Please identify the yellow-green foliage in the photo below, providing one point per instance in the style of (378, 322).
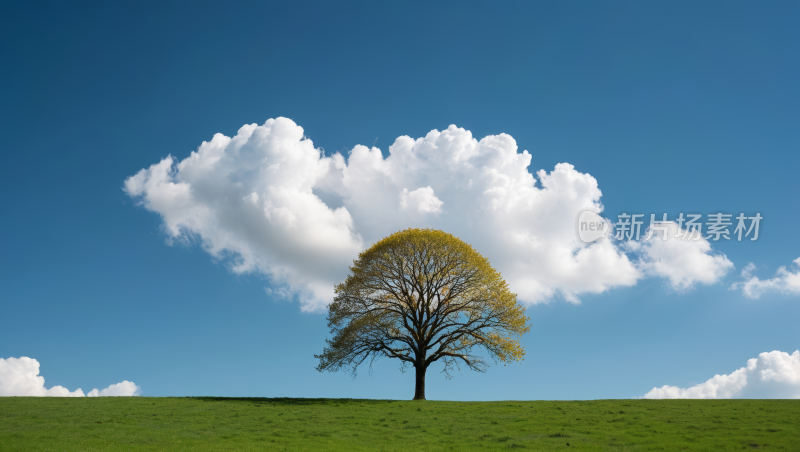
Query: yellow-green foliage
(421, 296)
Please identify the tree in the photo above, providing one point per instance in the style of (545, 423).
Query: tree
(422, 296)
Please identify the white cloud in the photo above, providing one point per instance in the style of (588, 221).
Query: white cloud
(748, 270)
(20, 377)
(773, 375)
(420, 201)
(683, 258)
(785, 281)
(268, 201)
(124, 388)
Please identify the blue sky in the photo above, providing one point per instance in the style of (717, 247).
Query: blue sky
(671, 107)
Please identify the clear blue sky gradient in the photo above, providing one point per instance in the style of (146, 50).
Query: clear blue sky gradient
(671, 106)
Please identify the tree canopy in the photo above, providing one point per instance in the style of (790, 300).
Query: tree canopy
(422, 296)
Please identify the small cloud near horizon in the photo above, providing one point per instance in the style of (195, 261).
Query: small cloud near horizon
(773, 375)
(19, 377)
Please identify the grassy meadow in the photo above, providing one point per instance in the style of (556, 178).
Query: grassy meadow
(210, 423)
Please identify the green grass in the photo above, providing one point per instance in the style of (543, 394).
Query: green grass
(208, 423)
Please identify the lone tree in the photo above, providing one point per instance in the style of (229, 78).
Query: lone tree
(421, 296)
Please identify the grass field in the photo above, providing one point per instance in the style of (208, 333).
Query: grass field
(207, 423)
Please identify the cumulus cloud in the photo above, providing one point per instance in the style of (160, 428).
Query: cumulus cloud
(682, 257)
(785, 281)
(268, 201)
(420, 201)
(773, 375)
(20, 377)
(124, 388)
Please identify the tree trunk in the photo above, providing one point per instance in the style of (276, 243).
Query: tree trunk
(419, 388)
